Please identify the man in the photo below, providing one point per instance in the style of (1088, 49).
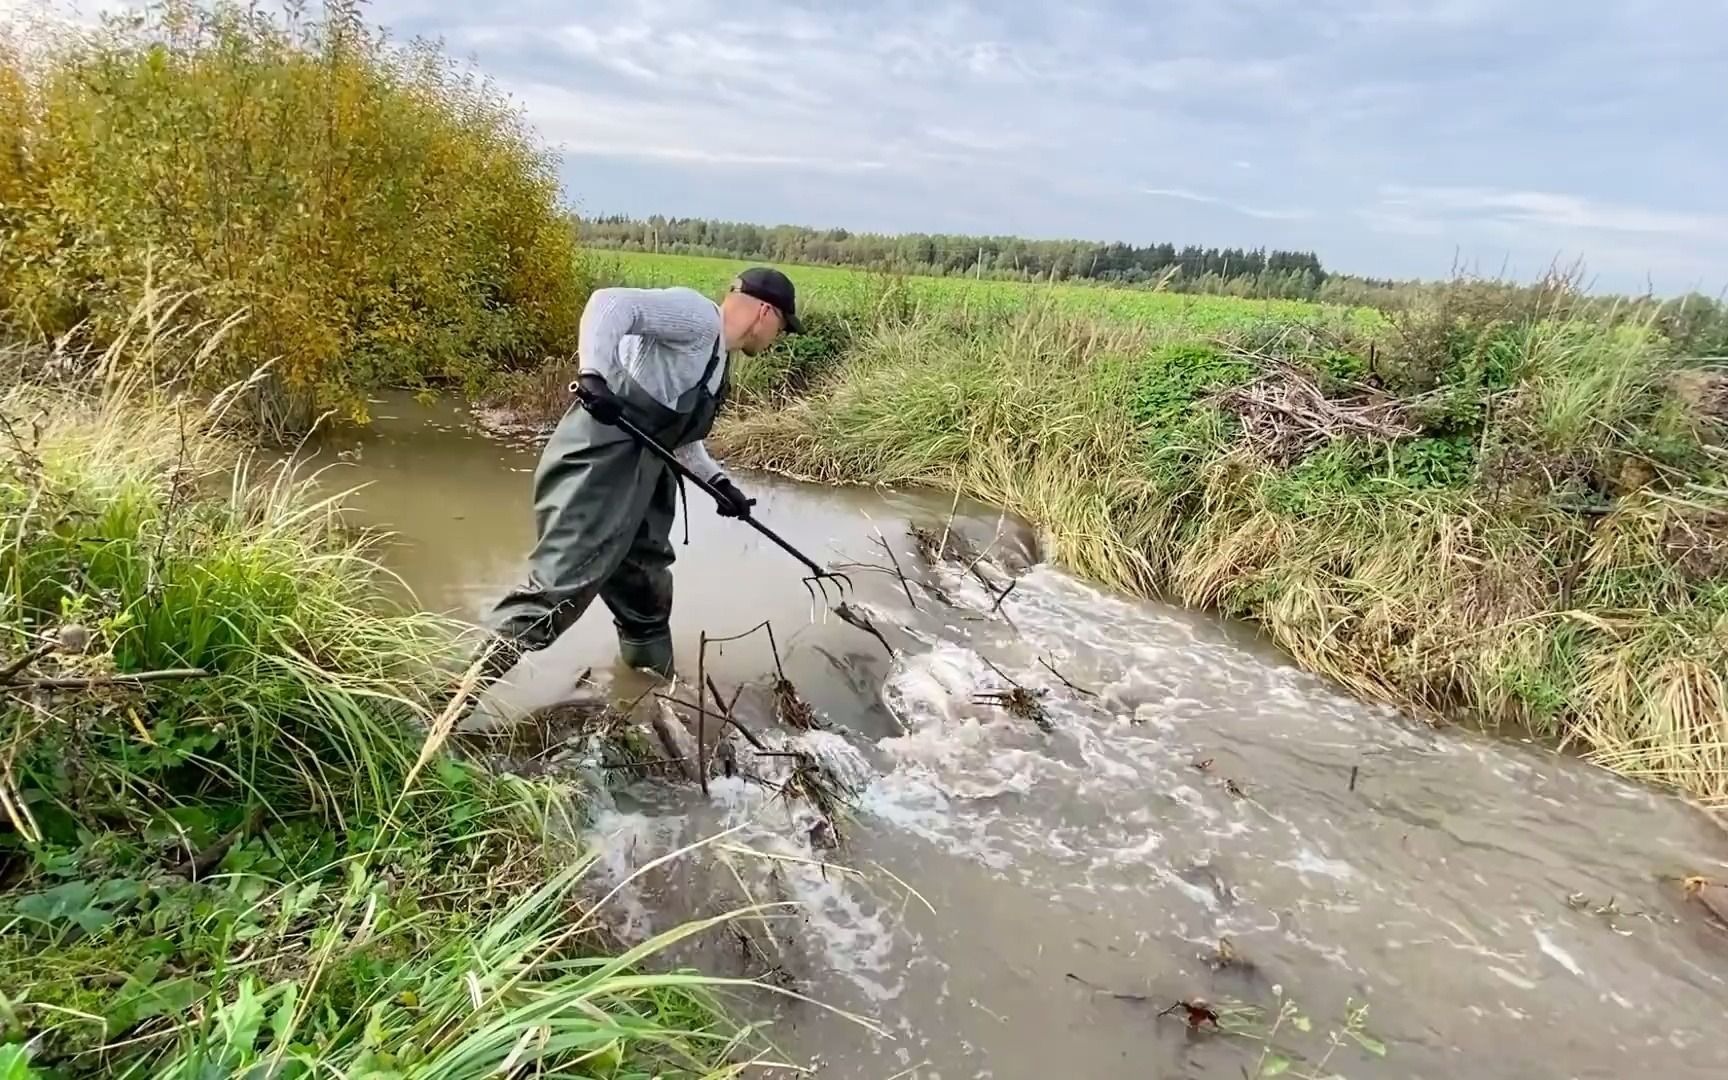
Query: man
(603, 505)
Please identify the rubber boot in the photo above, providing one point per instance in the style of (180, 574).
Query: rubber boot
(650, 654)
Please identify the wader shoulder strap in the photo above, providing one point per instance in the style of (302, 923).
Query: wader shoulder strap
(713, 362)
(701, 388)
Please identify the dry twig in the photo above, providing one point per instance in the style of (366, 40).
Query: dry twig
(93, 682)
(1051, 668)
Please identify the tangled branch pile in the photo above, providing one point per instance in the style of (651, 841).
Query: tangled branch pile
(1285, 416)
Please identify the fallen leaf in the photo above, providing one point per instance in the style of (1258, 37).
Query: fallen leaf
(1196, 1013)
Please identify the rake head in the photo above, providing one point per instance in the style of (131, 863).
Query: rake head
(819, 582)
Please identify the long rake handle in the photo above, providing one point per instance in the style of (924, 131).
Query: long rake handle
(652, 445)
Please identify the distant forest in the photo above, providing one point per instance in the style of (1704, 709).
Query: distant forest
(1695, 323)
(1255, 272)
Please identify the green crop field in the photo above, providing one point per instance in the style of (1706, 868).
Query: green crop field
(828, 287)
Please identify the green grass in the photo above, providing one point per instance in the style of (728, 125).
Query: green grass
(835, 289)
(275, 867)
(839, 305)
(1528, 531)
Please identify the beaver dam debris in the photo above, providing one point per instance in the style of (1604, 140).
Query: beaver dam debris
(1224, 955)
(853, 616)
(950, 546)
(791, 709)
(1285, 415)
(1018, 701)
(573, 737)
(930, 546)
(696, 734)
(1065, 681)
(585, 733)
(823, 793)
(1197, 1013)
(676, 740)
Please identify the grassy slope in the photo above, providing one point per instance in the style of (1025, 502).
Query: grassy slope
(1530, 525)
(276, 863)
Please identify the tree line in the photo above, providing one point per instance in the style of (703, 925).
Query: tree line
(1696, 323)
(1238, 271)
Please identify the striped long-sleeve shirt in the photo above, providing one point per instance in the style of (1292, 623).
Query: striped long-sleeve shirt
(660, 339)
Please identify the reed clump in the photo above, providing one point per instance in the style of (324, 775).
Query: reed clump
(232, 838)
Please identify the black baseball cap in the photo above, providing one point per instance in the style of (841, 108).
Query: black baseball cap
(771, 287)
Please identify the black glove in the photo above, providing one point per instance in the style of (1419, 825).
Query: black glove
(732, 502)
(602, 404)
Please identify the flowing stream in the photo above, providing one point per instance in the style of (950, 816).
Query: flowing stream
(1014, 902)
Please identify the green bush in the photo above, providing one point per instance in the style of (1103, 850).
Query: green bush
(378, 215)
(1166, 386)
(794, 361)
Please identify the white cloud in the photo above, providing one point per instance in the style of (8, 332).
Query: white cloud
(712, 135)
(981, 141)
(1186, 195)
(1180, 193)
(1546, 210)
(1422, 14)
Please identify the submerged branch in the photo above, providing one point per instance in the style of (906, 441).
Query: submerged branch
(888, 548)
(851, 616)
(1081, 690)
(730, 717)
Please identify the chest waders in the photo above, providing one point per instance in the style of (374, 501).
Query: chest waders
(603, 513)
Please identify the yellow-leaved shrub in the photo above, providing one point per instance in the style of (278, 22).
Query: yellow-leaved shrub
(378, 214)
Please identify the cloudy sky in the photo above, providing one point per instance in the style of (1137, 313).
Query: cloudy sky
(1393, 137)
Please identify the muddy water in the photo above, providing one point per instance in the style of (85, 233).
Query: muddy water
(1014, 903)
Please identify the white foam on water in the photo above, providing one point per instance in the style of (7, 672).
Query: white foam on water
(838, 758)
(1309, 861)
(1109, 806)
(1558, 955)
(625, 842)
(1204, 897)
